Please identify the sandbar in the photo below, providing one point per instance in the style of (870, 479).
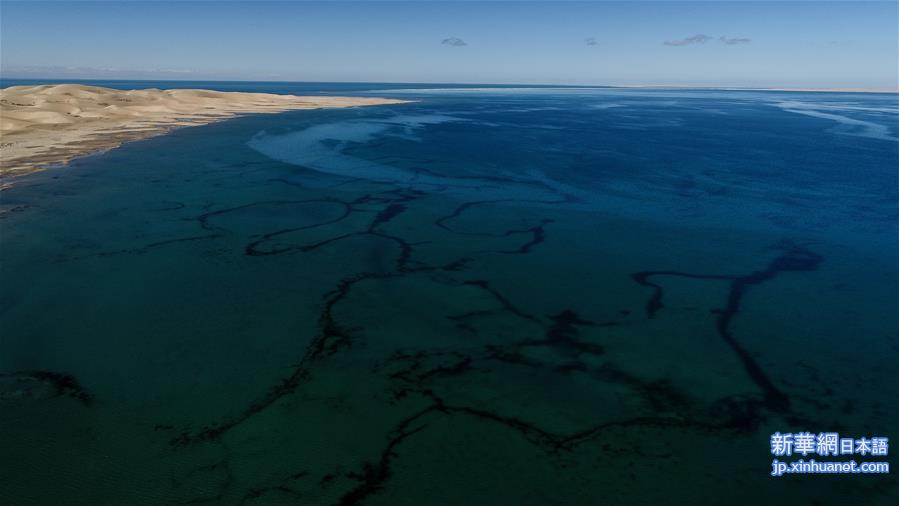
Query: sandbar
(49, 125)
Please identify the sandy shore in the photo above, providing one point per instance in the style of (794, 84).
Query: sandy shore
(51, 124)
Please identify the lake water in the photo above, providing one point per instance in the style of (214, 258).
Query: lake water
(490, 295)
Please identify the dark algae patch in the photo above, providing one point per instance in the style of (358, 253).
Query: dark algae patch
(29, 384)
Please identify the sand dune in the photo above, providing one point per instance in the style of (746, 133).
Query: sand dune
(51, 124)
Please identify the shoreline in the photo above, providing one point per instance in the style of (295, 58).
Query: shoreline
(739, 88)
(50, 125)
(38, 81)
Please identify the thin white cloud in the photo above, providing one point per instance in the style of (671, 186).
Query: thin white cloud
(689, 41)
(454, 41)
(730, 41)
(700, 38)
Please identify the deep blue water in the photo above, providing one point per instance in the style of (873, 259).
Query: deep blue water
(489, 295)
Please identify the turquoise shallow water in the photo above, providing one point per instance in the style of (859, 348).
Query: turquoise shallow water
(487, 296)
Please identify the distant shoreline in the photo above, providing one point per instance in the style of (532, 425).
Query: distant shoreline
(47, 125)
(35, 81)
(736, 88)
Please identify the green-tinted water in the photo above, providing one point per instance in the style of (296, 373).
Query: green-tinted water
(488, 314)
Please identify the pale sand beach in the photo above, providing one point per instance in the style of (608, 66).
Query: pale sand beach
(52, 124)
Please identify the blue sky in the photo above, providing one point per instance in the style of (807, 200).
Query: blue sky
(729, 43)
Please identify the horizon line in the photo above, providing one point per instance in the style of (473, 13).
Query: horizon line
(846, 89)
